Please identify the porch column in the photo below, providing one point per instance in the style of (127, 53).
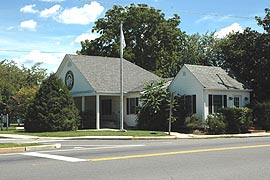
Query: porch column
(97, 113)
(83, 103)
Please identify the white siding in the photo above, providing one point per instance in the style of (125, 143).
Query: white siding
(130, 119)
(185, 83)
(81, 87)
(244, 98)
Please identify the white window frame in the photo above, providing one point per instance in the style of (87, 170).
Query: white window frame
(212, 103)
(239, 101)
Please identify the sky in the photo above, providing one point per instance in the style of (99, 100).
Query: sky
(44, 31)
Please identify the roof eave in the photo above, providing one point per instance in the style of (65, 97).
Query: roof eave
(223, 89)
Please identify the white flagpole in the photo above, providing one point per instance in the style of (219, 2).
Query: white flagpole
(122, 44)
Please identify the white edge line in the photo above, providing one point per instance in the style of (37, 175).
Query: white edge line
(80, 149)
(55, 157)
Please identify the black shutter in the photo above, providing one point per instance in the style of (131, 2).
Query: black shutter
(225, 100)
(210, 100)
(128, 106)
(193, 104)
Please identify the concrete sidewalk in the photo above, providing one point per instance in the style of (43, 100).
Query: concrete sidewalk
(174, 135)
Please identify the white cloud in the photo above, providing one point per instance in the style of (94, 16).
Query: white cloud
(30, 25)
(29, 9)
(50, 12)
(205, 18)
(235, 27)
(213, 18)
(36, 56)
(10, 28)
(84, 15)
(51, 0)
(84, 36)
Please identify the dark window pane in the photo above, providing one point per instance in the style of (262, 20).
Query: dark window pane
(217, 103)
(194, 104)
(106, 107)
(210, 100)
(225, 101)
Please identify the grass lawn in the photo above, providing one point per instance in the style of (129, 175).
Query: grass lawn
(11, 145)
(133, 133)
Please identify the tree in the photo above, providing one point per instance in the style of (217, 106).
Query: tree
(154, 109)
(153, 42)
(21, 100)
(265, 22)
(248, 54)
(13, 78)
(53, 108)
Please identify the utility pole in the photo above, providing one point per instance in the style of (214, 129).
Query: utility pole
(170, 115)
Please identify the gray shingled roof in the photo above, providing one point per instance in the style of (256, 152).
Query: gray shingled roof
(103, 73)
(216, 78)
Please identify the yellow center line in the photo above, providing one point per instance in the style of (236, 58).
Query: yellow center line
(178, 152)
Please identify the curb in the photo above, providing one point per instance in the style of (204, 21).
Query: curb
(154, 138)
(171, 137)
(30, 148)
(229, 136)
(117, 138)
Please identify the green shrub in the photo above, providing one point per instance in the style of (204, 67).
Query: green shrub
(262, 114)
(53, 108)
(180, 113)
(153, 111)
(215, 124)
(239, 120)
(193, 122)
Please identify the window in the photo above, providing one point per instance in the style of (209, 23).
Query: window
(132, 103)
(106, 107)
(216, 102)
(236, 101)
(184, 73)
(190, 104)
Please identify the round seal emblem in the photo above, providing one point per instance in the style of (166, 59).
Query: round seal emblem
(69, 80)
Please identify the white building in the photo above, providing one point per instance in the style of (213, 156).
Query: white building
(94, 82)
(210, 89)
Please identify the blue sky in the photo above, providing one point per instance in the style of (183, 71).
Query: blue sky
(45, 30)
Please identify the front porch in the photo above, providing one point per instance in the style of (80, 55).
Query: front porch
(99, 111)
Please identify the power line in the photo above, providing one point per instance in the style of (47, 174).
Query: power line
(27, 51)
(177, 11)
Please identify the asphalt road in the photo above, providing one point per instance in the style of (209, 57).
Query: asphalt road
(203, 159)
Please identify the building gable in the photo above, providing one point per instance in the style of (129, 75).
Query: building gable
(80, 86)
(103, 73)
(216, 78)
(185, 83)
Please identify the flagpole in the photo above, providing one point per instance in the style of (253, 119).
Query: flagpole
(121, 78)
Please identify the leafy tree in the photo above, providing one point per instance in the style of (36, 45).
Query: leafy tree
(33, 76)
(248, 54)
(265, 22)
(153, 42)
(53, 108)
(21, 100)
(14, 78)
(154, 108)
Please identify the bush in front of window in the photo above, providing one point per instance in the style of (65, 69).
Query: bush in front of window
(193, 123)
(262, 114)
(215, 124)
(153, 111)
(239, 120)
